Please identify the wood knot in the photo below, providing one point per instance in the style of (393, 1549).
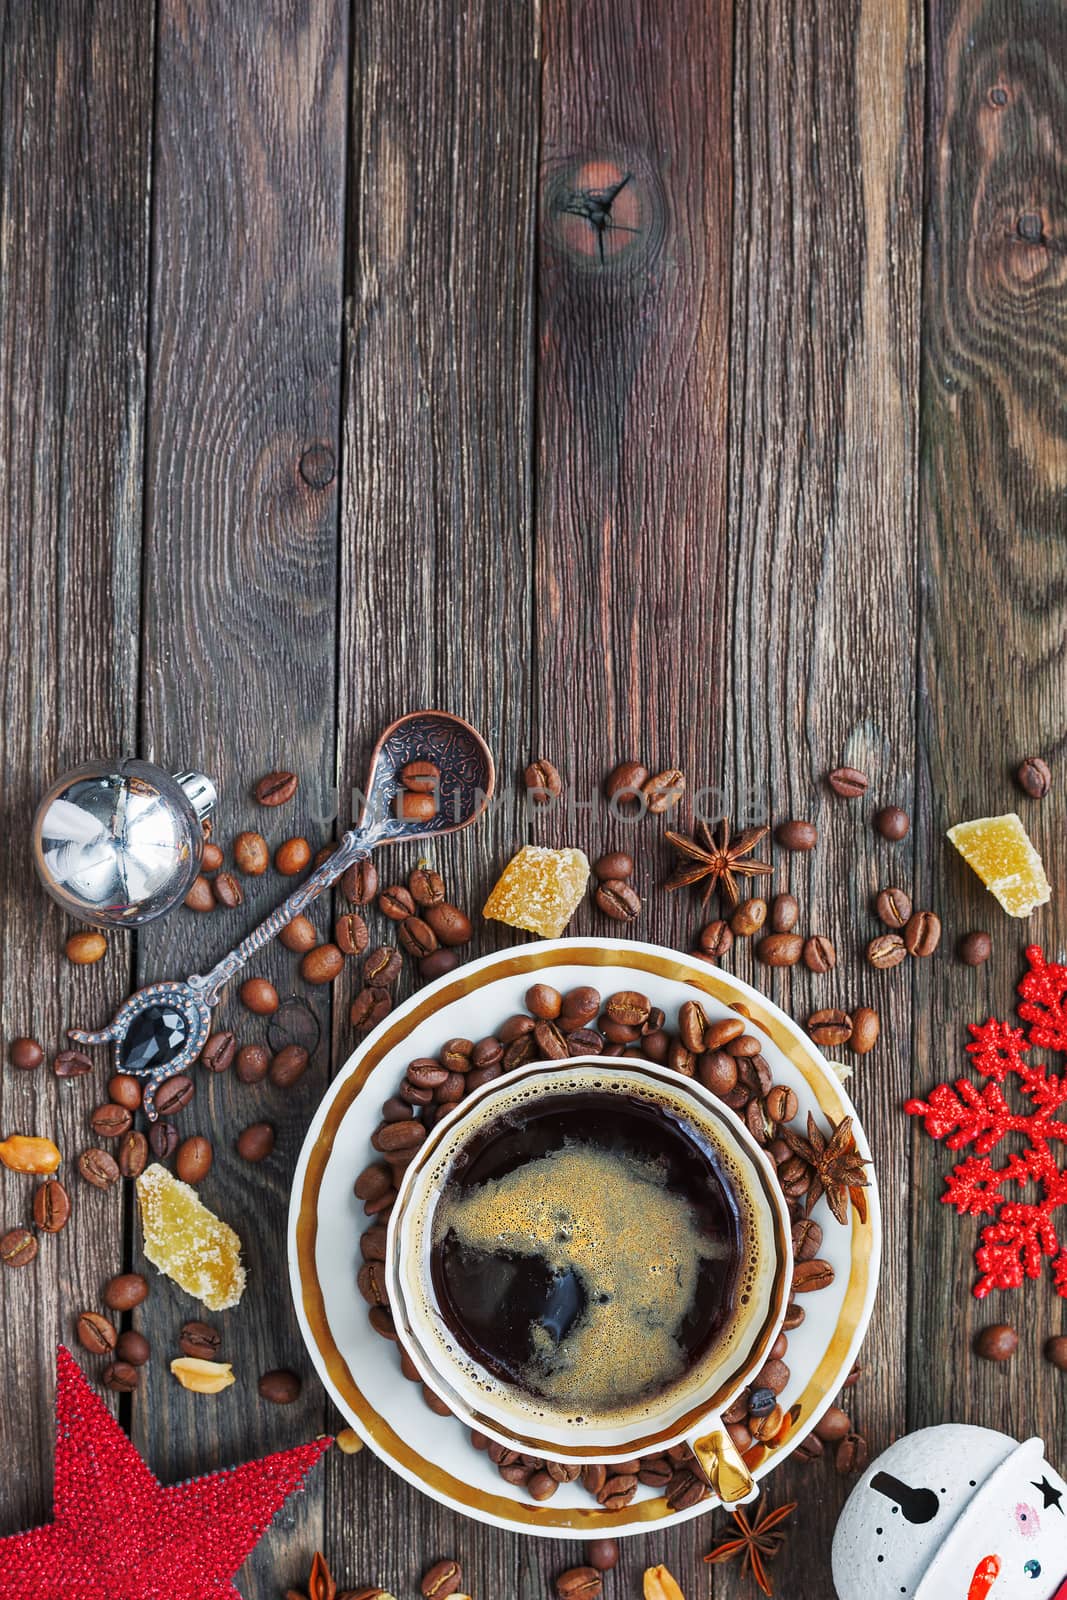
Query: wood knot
(1030, 227)
(603, 212)
(317, 466)
(998, 95)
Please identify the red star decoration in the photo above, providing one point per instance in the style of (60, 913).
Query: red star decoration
(119, 1535)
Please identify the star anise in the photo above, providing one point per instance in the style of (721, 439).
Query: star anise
(754, 1542)
(836, 1166)
(721, 864)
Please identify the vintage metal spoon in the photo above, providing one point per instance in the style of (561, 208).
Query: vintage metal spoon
(161, 1029)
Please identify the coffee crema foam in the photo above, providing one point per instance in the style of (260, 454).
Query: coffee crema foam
(635, 1246)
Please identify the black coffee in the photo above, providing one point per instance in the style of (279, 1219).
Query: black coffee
(587, 1249)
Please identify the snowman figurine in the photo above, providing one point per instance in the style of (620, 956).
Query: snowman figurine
(955, 1513)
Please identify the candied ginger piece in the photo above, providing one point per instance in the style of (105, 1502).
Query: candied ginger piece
(999, 850)
(188, 1242)
(539, 890)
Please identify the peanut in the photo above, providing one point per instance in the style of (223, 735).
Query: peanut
(660, 1585)
(349, 1442)
(22, 1153)
(202, 1377)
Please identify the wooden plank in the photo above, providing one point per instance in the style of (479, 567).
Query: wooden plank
(239, 623)
(76, 92)
(993, 481)
(436, 532)
(821, 602)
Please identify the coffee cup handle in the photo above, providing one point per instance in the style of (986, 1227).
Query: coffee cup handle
(720, 1461)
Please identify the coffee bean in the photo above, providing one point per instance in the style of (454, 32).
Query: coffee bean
(451, 925)
(785, 913)
(98, 1168)
(211, 858)
(194, 1158)
(120, 1376)
(227, 891)
(51, 1206)
(292, 856)
(398, 1136)
(773, 1375)
(692, 1025)
(426, 1072)
(443, 1578)
(457, 1054)
(26, 1054)
(819, 954)
(359, 883)
(974, 949)
(382, 966)
(427, 887)
(887, 950)
(543, 782)
(794, 1316)
(200, 896)
(174, 1094)
(663, 791)
(96, 1333)
(410, 807)
(584, 1042)
(997, 1343)
(281, 1387)
(251, 854)
(436, 965)
(848, 782)
(421, 777)
(200, 1340)
(922, 934)
(781, 1103)
(767, 1426)
(830, 1028)
(761, 1402)
(132, 1154)
(624, 783)
(381, 1320)
(299, 935)
(543, 1002)
(866, 1026)
(852, 1455)
(746, 1044)
(717, 1071)
(288, 1066)
(71, 1064)
(110, 1121)
(416, 937)
(163, 1139)
(796, 834)
(629, 1007)
(834, 1424)
(126, 1290)
(807, 1239)
(892, 823)
(810, 1448)
(686, 1489)
(1034, 778)
(124, 1090)
(276, 788)
(579, 1583)
(253, 1062)
(551, 1043)
(1056, 1351)
(259, 996)
(780, 949)
(218, 1052)
(396, 903)
(603, 1554)
(322, 965)
(618, 900)
(617, 864)
(371, 1004)
(133, 1348)
(83, 949)
(893, 907)
(716, 938)
(812, 1275)
(749, 917)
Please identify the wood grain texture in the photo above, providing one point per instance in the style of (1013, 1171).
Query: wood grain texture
(76, 98)
(821, 599)
(993, 621)
(240, 601)
(436, 522)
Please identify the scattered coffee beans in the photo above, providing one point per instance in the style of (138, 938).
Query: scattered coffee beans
(194, 1158)
(848, 782)
(276, 788)
(351, 934)
(299, 935)
(974, 949)
(163, 1139)
(780, 949)
(893, 907)
(251, 854)
(797, 835)
(110, 1121)
(617, 864)
(281, 1387)
(997, 1343)
(211, 858)
(255, 1142)
(26, 1054)
(866, 1026)
(450, 925)
(663, 791)
(436, 965)
(120, 1376)
(749, 917)
(133, 1348)
(218, 1052)
(1034, 778)
(618, 900)
(200, 1340)
(543, 782)
(174, 1094)
(624, 783)
(887, 950)
(125, 1291)
(259, 996)
(85, 948)
(1056, 1351)
(292, 857)
(819, 954)
(288, 1066)
(322, 965)
(359, 883)
(125, 1091)
(253, 1062)
(785, 913)
(98, 1168)
(603, 1554)
(922, 934)
(200, 896)
(830, 1029)
(96, 1333)
(227, 891)
(892, 823)
(443, 1578)
(132, 1154)
(579, 1583)
(426, 887)
(51, 1206)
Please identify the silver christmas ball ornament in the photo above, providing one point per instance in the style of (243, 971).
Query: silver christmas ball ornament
(118, 843)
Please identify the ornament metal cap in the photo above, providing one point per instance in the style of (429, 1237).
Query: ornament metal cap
(200, 791)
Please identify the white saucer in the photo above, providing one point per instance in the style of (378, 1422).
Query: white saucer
(361, 1370)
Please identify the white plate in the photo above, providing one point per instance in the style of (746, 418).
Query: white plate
(361, 1370)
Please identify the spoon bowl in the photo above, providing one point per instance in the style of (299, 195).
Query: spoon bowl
(462, 791)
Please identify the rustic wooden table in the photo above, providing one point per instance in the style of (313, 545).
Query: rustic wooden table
(659, 378)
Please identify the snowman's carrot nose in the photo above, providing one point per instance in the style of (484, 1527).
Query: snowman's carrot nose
(985, 1576)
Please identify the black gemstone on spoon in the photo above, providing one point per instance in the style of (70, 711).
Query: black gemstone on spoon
(918, 1505)
(155, 1036)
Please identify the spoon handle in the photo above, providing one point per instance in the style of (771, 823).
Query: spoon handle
(354, 846)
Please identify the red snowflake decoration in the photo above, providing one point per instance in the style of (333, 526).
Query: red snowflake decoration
(1023, 1234)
